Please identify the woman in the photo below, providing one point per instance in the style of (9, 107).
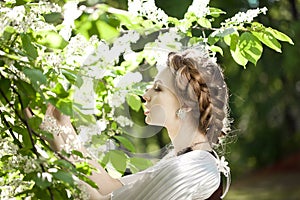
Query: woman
(189, 98)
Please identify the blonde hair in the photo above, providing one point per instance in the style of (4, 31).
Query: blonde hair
(200, 84)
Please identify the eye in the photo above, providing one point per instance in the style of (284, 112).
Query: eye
(157, 88)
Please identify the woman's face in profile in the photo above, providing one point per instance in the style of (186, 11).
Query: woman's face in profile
(161, 100)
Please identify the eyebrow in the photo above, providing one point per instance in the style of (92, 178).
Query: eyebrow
(158, 81)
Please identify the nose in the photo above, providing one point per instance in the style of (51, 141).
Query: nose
(142, 98)
(145, 98)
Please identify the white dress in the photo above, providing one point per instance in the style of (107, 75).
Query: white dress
(193, 175)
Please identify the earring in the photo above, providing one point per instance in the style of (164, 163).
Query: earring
(180, 113)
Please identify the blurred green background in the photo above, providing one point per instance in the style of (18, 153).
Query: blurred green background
(264, 102)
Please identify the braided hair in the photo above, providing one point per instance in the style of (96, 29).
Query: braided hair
(200, 84)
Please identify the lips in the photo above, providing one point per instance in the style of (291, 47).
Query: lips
(146, 112)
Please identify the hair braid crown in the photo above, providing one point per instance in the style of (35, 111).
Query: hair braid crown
(200, 84)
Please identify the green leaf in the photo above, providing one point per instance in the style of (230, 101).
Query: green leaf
(216, 49)
(42, 183)
(126, 143)
(41, 194)
(235, 50)
(77, 153)
(84, 167)
(64, 164)
(268, 39)
(133, 101)
(89, 181)
(173, 20)
(36, 76)
(118, 159)
(25, 136)
(35, 122)
(50, 39)
(64, 176)
(29, 48)
(26, 91)
(106, 31)
(227, 39)
(82, 119)
(73, 77)
(250, 47)
(204, 22)
(280, 36)
(53, 17)
(8, 32)
(215, 12)
(138, 164)
(65, 106)
(25, 88)
(5, 88)
(60, 91)
(98, 140)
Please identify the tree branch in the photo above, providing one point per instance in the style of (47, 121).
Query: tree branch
(294, 9)
(9, 127)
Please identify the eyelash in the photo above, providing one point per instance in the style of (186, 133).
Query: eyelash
(157, 88)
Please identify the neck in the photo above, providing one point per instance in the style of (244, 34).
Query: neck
(186, 135)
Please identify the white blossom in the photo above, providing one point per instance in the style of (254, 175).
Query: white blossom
(223, 167)
(96, 71)
(84, 194)
(128, 79)
(22, 19)
(118, 98)
(7, 147)
(148, 9)
(10, 1)
(86, 132)
(122, 44)
(123, 121)
(199, 8)
(45, 176)
(77, 49)
(245, 17)
(85, 96)
(72, 143)
(70, 12)
(163, 45)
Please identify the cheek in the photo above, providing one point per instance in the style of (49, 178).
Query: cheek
(157, 115)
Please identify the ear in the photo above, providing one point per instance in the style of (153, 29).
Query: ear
(186, 108)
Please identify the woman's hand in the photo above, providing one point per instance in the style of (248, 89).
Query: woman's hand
(60, 126)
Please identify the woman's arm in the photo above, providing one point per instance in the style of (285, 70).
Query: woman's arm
(62, 127)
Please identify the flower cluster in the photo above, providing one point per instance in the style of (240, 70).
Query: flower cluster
(165, 43)
(148, 9)
(124, 121)
(7, 147)
(13, 184)
(199, 8)
(117, 98)
(50, 124)
(127, 79)
(70, 12)
(223, 167)
(87, 131)
(245, 17)
(23, 18)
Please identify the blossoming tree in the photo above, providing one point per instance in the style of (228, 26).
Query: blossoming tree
(93, 63)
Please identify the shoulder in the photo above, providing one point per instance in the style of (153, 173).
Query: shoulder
(193, 174)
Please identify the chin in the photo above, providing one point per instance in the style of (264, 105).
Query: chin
(154, 122)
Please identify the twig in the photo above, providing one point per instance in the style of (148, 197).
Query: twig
(9, 127)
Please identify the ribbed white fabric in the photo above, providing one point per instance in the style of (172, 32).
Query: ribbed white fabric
(193, 175)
